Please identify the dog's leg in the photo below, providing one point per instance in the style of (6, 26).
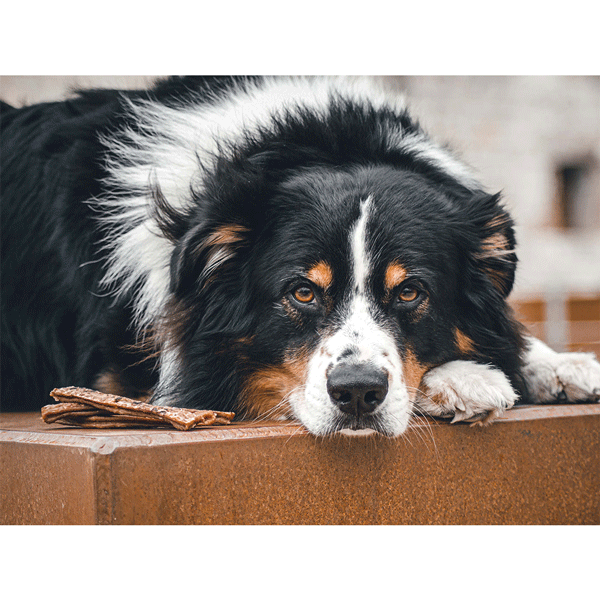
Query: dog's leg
(560, 377)
(465, 390)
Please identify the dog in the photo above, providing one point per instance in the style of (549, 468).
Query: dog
(286, 248)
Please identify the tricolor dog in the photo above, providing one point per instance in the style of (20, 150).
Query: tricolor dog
(287, 248)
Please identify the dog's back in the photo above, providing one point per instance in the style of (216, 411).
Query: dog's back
(49, 152)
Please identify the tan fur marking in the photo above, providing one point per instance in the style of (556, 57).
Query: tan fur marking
(420, 311)
(436, 398)
(291, 311)
(226, 234)
(219, 244)
(266, 390)
(413, 371)
(498, 222)
(395, 274)
(498, 279)
(495, 246)
(465, 344)
(321, 274)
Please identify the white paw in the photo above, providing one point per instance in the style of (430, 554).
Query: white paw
(561, 377)
(466, 391)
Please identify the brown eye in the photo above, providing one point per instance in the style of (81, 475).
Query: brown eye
(408, 293)
(304, 294)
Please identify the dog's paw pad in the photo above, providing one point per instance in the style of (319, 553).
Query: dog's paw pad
(466, 391)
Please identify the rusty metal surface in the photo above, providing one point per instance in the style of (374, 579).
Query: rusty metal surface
(537, 465)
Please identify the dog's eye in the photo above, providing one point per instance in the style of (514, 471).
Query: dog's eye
(304, 294)
(408, 293)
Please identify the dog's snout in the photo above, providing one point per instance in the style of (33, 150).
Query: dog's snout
(357, 389)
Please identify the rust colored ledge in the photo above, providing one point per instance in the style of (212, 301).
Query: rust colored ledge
(536, 465)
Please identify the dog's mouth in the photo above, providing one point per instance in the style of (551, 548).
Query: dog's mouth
(349, 432)
(362, 427)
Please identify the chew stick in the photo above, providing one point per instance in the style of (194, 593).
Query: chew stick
(90, 408)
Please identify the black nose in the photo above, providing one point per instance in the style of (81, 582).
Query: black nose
(357, 389)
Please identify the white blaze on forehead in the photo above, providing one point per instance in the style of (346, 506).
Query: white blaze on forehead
(358, 244)
(359, 326)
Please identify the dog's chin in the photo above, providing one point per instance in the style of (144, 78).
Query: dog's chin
(336, 425)
(360, 428)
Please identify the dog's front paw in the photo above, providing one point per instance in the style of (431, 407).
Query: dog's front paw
(466, 391)
(561, 377)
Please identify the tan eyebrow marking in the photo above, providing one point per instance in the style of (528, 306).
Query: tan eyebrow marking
(321, 274)
(395, 274)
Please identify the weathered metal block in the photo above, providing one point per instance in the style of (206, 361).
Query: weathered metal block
(537, 465)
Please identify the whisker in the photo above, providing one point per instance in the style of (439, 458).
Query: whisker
(424, 418)
(295, 431)
(420, 425)
(419, 391)
(283, 403)
(420, 431)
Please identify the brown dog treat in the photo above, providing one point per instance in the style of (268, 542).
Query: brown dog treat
(110, 418)
(180, 418)
(122, 418)
(99, 416)
(107, 421)
(67, 407)
(108, 424)
(220, 420)
(52, 412)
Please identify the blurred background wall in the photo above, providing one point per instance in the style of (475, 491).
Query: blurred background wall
(535, 138)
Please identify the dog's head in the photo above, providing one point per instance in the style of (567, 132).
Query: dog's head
(328, 293)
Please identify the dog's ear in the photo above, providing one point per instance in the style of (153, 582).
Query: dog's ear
(206, 254)
(492, 242)
(200, 247)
